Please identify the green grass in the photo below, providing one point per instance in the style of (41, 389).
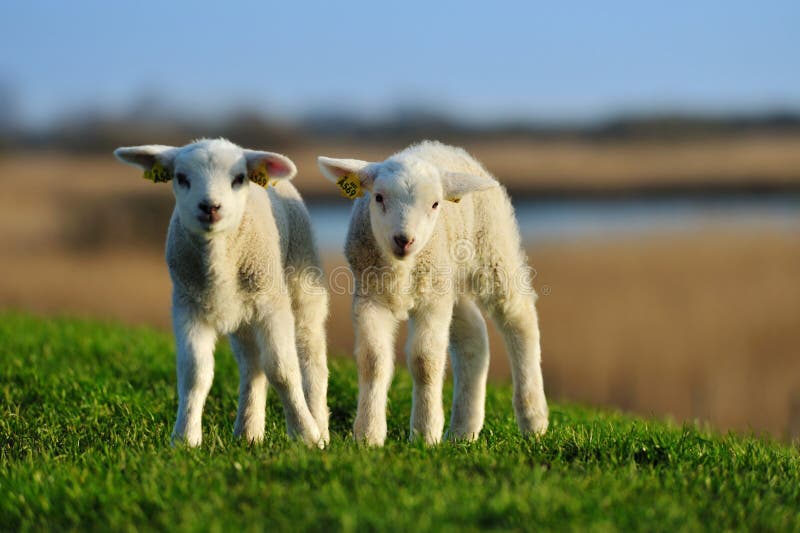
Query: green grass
(86, 416)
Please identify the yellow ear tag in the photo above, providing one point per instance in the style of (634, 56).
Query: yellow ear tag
(350, 186)
(259, 175)
(157, 173)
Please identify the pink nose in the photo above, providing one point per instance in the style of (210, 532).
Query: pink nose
(208, 208)
(211, 211)
(403, 242)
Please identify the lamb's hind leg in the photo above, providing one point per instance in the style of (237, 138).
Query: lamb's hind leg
(252, 386)
(469, 354)
(310, 311)
(427, 355)
(517, 319)
(283, 371)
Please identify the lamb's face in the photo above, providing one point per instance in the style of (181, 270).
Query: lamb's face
(404, 206)
(211, 187)
(406, 196)
(211, 178)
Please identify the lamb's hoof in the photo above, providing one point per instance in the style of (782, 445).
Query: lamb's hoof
(185, 441)
(370, 441)
(250, 437)
(534, 426)
(315, 440)
(325, 438)
(462, 435)
(368, 435)
(318, 443)
(322, 418)
(310, 436)
(430, 439)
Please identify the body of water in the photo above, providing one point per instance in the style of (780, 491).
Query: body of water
(558, 220)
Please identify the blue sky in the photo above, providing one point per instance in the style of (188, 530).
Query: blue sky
(555, 61)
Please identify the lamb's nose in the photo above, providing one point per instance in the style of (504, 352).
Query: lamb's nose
(208, 208)
(403, 241)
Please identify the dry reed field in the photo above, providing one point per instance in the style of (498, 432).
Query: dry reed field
(702, 325)
(522, 165)
(525, 166)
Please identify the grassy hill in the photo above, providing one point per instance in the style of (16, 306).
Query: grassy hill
(86, 412)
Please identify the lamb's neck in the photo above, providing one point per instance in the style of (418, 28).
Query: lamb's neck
(218, 250)
(198, 262)
(204, 269)
(399, 267)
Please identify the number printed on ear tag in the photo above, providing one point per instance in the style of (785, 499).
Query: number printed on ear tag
(260, 176)
(157, 173)
(350, 186)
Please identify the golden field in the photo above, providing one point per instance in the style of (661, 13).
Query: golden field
(702, 325)
(522, 165)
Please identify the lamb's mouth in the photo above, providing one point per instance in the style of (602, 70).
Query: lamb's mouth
(400, 254)
(208, 220)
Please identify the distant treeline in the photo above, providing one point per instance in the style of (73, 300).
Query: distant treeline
(91, 132)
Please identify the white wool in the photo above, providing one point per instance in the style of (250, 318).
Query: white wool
(433, 238)
(243, 263)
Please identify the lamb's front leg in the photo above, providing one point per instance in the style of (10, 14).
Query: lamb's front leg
(427, 354)
(195, 364)
(375, 330)
(252, 386)
(283, 370)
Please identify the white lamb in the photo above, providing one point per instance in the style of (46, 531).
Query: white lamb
(433, 235)
(243, 263)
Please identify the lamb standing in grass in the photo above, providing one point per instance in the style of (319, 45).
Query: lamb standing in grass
(243, 263)
(435, 234)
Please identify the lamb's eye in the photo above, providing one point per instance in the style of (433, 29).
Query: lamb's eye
(379, 198)
(435, 205)
(238, 180)
(183, 181)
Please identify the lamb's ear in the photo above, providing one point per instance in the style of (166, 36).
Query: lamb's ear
(263, 167)
(350, 175)
(155, 159)
(457, 185)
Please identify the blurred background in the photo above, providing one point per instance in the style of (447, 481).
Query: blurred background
(652, 151)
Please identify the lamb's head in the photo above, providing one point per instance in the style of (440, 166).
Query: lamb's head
(406, 195)
(210, 178)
